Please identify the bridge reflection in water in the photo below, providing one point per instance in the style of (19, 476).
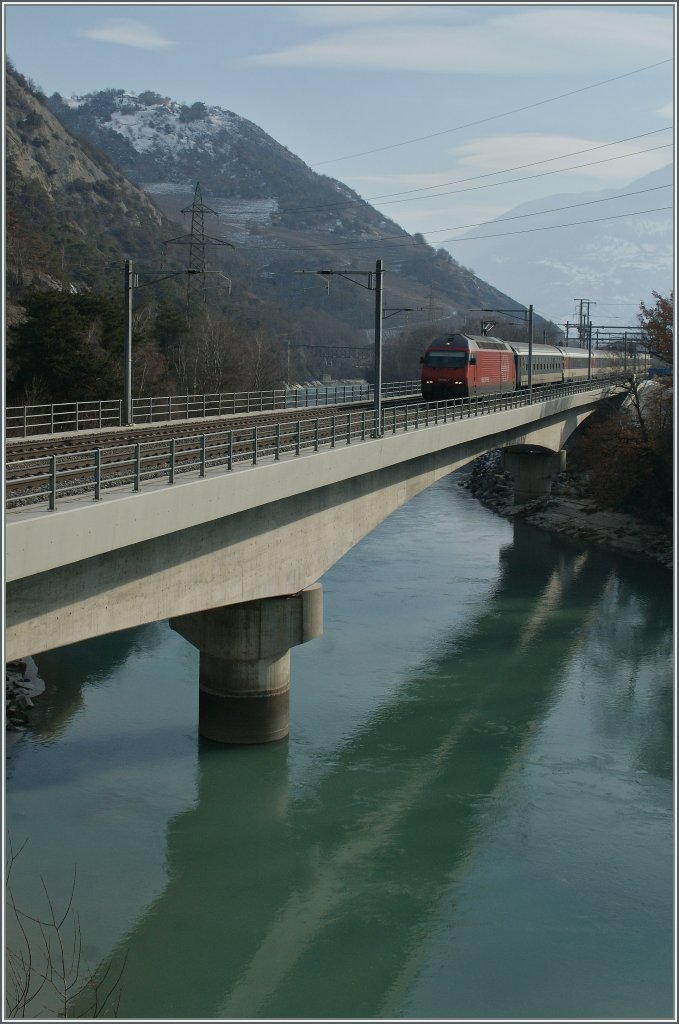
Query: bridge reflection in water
(321, 901)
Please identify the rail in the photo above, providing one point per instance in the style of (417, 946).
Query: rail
(36, 420)
(45, 479)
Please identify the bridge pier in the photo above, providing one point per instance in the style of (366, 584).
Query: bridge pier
(244, 683)
(532, 472)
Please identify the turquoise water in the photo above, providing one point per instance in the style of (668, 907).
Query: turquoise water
(472, 816)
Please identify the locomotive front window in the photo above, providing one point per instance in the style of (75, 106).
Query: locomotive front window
(445, 360)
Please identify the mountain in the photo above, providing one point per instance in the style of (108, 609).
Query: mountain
(73, 217)
(615, 263)
(281, 216)
(95, 181)
(69, 211)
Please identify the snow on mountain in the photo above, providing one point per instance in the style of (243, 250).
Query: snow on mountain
(166, 147)
(160, 127)
(157, 139)
(161, 133)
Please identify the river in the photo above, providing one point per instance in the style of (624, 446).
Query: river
(472, 817)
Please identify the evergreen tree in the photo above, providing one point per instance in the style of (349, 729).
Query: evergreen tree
(68, 348)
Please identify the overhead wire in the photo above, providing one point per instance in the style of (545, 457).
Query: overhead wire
(435, 194)
(408, 239)
(551, 227)
(554, 209)
(491, 184)
(313, 248)
(495, 117)
(477, 177)
(520, 167)
(542, 174)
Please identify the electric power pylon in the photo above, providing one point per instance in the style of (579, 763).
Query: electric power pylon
(196, 241)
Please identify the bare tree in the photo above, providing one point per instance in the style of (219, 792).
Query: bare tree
(207, 359)
(45, 964)
(657, 325)
(262, 363)
(629, 456)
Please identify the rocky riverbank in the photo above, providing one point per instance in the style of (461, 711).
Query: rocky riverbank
(22, 684)
(568, 510)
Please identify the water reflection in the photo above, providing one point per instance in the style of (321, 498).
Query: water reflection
(312, 903)
(633, 629)
(67, 670)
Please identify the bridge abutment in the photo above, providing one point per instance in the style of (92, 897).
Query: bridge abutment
(244, 682)
(533, 472)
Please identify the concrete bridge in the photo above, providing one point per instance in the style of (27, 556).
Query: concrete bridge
(233, 559)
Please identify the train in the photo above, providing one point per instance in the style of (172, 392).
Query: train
(468, 365)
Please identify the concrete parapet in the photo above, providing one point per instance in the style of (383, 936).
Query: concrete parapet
(533, 472)
(244, 649)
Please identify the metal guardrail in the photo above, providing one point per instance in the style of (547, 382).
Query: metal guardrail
(81, 474)
(36, 420)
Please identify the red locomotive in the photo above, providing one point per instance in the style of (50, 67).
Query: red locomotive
(462, 365)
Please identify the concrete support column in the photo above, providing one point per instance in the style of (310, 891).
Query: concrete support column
(245, 663)
(533, 472)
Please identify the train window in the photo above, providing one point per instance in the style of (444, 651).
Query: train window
(445, 360)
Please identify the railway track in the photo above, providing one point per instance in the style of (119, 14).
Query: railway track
(19, 449)
(39, 473)
(85, 465)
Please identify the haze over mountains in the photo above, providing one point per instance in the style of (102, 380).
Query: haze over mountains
(615, 263)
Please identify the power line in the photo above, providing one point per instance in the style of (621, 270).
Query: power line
(316, 248)
(408, 239)
(550, 227)
(494, 117)
(520, 167)
(504, 170)
(490, 184)
(502, 234)
(542, 174)
(554, 209)
(518, 216)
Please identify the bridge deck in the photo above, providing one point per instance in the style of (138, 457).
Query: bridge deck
(269, 526)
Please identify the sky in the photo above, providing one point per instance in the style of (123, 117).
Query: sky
(417, 107)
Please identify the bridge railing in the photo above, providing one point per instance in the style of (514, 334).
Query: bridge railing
(36, 420)
(33, 420)
(84, 474)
